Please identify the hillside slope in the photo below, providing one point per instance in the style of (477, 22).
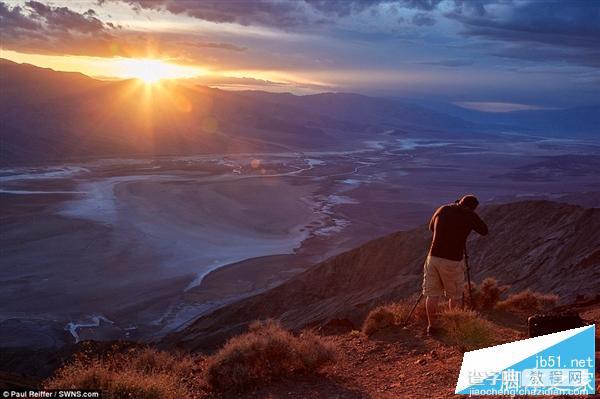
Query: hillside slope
(545, 246)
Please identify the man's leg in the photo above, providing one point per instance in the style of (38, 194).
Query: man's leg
(453, 280)
(431, 306)
(432, 290)
(454, 303)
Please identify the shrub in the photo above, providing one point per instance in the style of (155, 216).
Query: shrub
(392, 314)
(466, 329)
(528, 301)
(136, 373)
(487, 294)
(378, 319)
(266, 353)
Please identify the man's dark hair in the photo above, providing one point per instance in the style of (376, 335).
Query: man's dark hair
(470, 201)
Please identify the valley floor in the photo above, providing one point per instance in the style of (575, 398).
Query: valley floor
(136, 248)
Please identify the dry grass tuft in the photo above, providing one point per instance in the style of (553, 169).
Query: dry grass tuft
(487, 294)
(528, 302)
(379, 318)
(136, 373)
(355, 334)
(466, 329)
(266, 353)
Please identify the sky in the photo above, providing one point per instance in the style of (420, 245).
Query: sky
(516, 54)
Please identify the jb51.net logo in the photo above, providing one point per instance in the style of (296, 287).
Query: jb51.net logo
(562, 363)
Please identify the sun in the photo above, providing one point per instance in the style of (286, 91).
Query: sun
(150, 71)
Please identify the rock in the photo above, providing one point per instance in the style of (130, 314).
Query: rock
(421, 361)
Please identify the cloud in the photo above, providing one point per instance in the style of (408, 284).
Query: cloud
(422, 19)
(472, 7)
(449, 63)
(277, 13)
(342, 8)
(13, 19)
(235, 82)
(424, 5)
(40, 18)
(252, 12)
(562, 23)
(62, 18)
(544, 54)
(37, 27)
(250, 83)
(44, 29)
(215, 45)
(550, 30)
(498, 107)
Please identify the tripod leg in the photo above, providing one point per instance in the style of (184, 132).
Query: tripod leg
(470, 288)
(468, 271)
(405, 322)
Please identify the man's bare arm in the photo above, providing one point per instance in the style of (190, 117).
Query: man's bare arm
(479, 225)
(432, 221)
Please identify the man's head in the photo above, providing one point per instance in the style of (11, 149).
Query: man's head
(470, 201)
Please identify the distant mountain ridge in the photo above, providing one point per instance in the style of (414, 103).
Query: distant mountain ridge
(545, 246)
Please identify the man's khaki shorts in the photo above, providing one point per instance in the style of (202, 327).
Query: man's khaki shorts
(443, 277)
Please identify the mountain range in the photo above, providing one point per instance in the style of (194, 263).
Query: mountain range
(53, 116)
(57, 116)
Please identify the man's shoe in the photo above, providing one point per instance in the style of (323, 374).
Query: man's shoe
(433, 331)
